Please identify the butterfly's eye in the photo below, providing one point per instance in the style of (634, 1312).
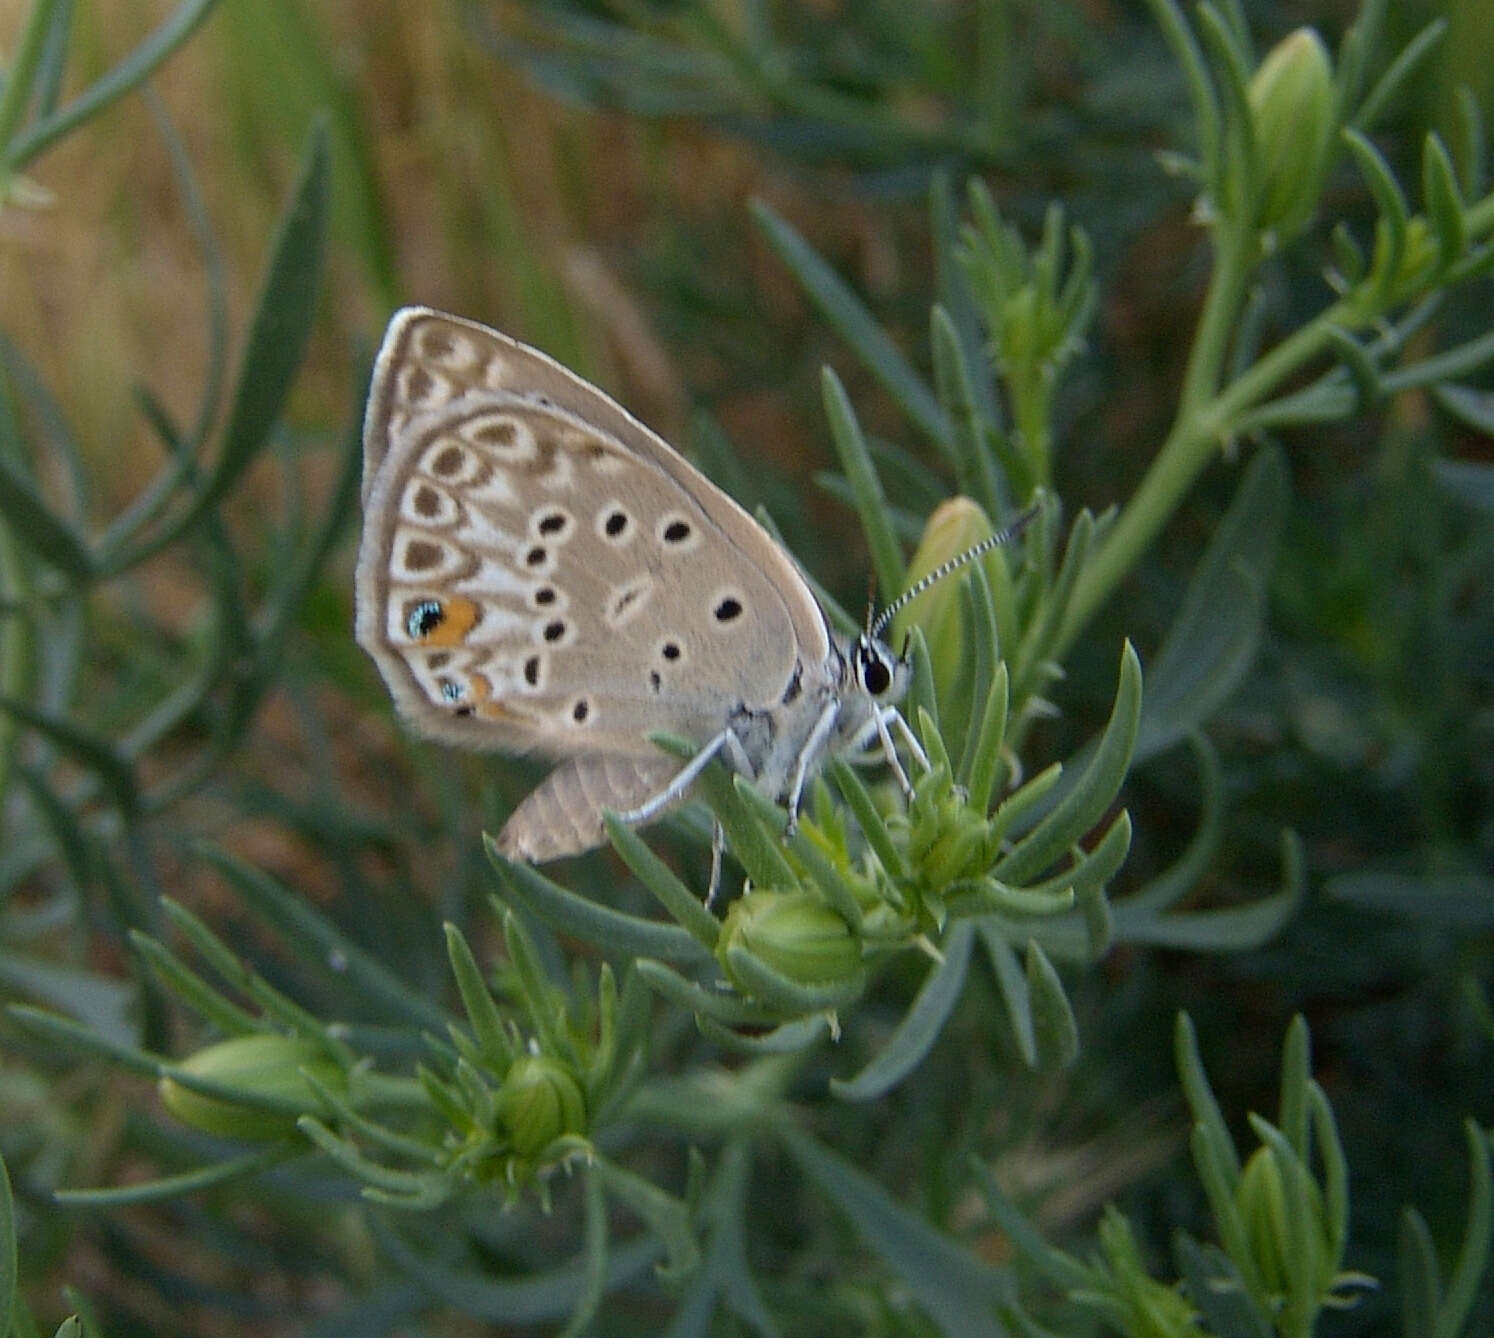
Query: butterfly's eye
(872, 668)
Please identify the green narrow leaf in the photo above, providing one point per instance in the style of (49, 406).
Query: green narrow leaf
(978, 617)
(1212, 641)
(868, 817)
(1054, 1027)
(1296, 1073)
(1059, 1268)
(794, 1037)
(1470, 143)
(1359, 363)
(1473, 408)
(1212, 1159)
(1444, 202)
(360, 973)
(533, 1299)
(1200, 1096)
(594, 1256)
(987, 762)
(1390, 229)
(1189, 55)
(845, 312)
(1215, 1286)
(36, 524)
(1238, 184)
(73, 1036)
(1421, 1287)
(132, 71)
(974, 468)
(921, 702)
(1456, 362)
(729, 1010)
(1335, 1168)
(1397, 73)
(629, 935)
(1168, 888)
(871, 504)
(273, 351)
(192, 989)
(478, 1002)
(957, 1292)
(956, 302)
(1078, 811)
(757, 846)
(1473, 1255)
(667, 1216)
(660, 879)
(9, 1257)
(1039, 639)
(790, 998)
(920, 1026)
(837, 892)
(188, 1182)
(1011, 981)
(98, 754)
(1230, 928)
(16, 90)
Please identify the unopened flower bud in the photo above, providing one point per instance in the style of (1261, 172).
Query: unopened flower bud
(955, 526)
(539, 1102)
(1261, 1198)
(264, 1065)
(794, 933)
(1292, 107)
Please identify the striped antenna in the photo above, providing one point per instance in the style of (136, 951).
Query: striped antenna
(1012, 531)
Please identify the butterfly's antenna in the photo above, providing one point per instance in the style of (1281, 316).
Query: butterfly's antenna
(944, 569)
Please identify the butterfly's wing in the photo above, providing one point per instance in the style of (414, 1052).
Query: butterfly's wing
(541, 572)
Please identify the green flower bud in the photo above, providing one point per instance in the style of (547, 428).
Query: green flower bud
(540, 1101)
(794, 933)
(1261, 1198)
(955, 526)
(265, 1065)
(1292, 108)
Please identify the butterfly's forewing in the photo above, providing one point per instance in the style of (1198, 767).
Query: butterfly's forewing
(539, 571)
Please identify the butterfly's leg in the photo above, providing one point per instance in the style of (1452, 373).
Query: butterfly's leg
(814, 745)
(683, 780)
(894, 715)
(718, 844)
(881, 718)
(736, 754)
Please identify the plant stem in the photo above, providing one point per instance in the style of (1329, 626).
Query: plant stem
(21, 78)
(1206, 418)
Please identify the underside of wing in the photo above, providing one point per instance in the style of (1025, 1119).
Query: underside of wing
(528, 582)
(430, 362)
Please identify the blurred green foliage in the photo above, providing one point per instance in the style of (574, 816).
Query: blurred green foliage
(914, 1081)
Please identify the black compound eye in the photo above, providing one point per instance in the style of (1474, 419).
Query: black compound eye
(873, 670)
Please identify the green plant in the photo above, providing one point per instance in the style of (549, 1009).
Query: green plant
(601, 1134)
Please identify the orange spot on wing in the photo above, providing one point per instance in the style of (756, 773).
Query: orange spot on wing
(461, 615)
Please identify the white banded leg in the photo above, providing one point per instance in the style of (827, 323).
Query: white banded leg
(814, 745)
(684, 778)
(718, 847)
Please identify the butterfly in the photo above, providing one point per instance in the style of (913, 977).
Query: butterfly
(541, 573)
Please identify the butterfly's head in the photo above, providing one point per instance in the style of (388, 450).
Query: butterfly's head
(879, 671)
